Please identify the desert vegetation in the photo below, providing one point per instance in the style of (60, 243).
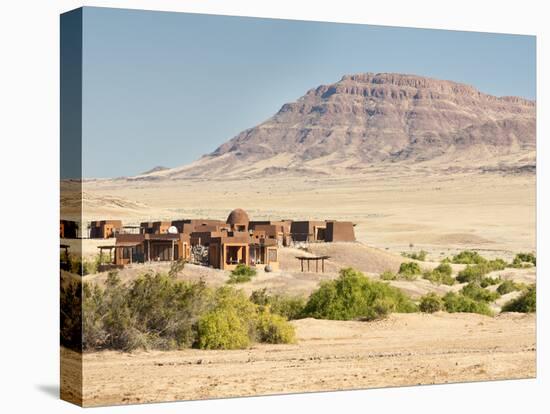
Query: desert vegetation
(407, 271)
(508, 286)
(160, 311)
(525, 303)
(421, 255)
(442, 274)
(157, 311)
(241, 274)
(355, 296)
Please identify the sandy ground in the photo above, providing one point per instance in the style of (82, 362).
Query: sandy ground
(405, 349)
(392, 207)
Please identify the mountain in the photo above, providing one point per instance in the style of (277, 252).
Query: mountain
(369, 119)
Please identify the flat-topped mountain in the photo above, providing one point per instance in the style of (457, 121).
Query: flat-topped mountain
(370, 119)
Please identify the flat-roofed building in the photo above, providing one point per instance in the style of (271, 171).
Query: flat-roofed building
(104, 229)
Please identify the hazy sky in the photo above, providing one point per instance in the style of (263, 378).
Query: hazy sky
(165, 88)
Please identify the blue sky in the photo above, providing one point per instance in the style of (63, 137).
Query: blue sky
(165, 88)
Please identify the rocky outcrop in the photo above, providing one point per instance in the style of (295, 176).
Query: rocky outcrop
(367, 119)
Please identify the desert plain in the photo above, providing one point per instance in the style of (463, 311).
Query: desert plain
(396, 209)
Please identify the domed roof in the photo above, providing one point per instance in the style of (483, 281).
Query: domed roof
(238, 217)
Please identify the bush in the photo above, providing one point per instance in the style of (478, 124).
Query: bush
(409, 270)
(421, 255)
(160, 312)
(388, 275)
(223, 329)
(468, 257)
(440, 275)
(489, 281)
(71, 315)
(274, 329)
(526, 302)
(475, 273)
(524, 260)
(459, 303)
(430, 303)
(290, 307)
(354, 296)
(241, 274)
(508, 286)
(476, 292)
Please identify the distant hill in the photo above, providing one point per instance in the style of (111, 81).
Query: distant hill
(155, 169)
(372, 119)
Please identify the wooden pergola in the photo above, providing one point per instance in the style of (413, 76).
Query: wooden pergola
(316, 259)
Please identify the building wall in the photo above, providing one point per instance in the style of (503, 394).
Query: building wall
(340, 231)
(104, 229)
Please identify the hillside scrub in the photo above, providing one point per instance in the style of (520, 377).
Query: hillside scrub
(409, 270)
(157, 311)
(473, 273)
(290, 307)
(526, 302)
(474, 291)
(524, 260)
(430, 303)
(456, 302)
(388, 275)
(468, 257)
(355, 296)
(442, 274)
(508, 286)
(241, 274)
(421, 255)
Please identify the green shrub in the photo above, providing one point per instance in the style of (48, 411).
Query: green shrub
(421, 255)
(489, 281)
(524, 260)
(235, 322)
(471, 273)
(508, 286)
(430, 303)
(459, 303)
(445, 269)
(354, 296)
(526, 302)
(274, 329)
(409, 270)
(158, 311)
(440, 275)
(168, 309)
(475, 273)
(223, 329)
(290, 307)
(468, 257)
(241, 274)
(474, 291)
(388, 275)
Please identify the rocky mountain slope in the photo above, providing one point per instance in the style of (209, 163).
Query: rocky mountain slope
(369, 119)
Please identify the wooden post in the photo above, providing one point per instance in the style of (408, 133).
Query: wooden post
(308, 265)
(316, 265)
(172, 252)
(148, 250)
(323, 265)
(302, 263)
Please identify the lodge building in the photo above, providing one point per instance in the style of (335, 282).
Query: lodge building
(216, 243)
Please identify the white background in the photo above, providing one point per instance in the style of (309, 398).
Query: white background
(29, 146)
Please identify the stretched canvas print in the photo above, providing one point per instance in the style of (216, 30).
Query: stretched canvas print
(258, 206)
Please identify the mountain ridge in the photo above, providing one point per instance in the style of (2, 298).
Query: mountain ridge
(370, 119)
